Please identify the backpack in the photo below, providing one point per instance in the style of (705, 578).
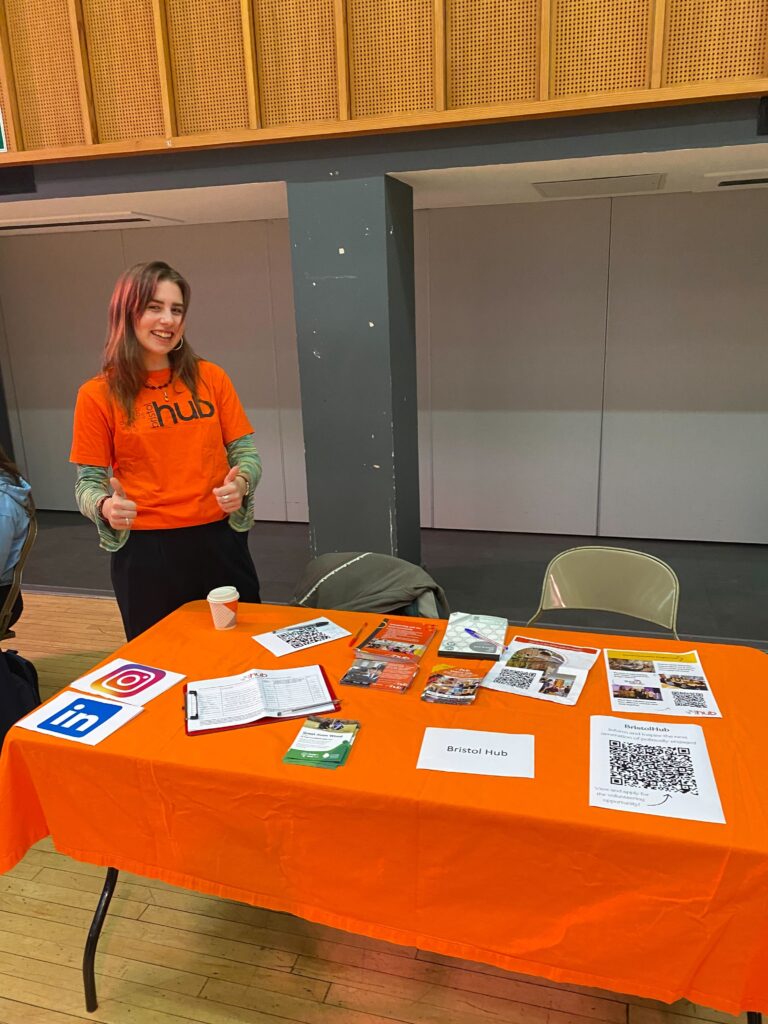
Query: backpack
(19, 691)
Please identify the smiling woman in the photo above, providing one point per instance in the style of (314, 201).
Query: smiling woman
(176, 509)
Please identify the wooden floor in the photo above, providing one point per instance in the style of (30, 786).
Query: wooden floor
(168, 955)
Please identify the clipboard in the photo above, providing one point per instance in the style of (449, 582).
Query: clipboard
(190, 697)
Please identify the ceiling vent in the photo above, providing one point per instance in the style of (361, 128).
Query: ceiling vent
(80, 222)
(748, 177)
(744, 181)
(583, 188)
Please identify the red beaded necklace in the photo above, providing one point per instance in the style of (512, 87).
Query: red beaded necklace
(161, 387)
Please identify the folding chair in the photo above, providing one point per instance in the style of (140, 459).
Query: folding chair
(7, 610)
(612, 580)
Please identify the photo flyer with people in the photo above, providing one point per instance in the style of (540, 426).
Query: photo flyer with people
(659, 682)
(388, 658)
(546, 671)
(407, 640)
(394, 674)
(452, 684)
(323, 742)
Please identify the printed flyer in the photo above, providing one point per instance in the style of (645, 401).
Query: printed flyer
(383, 674)
(539, 668)
(408, 640)
(659, 683)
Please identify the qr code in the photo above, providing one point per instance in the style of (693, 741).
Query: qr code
(517, 678)
(688, 700)
(652, 767)
(304, 637)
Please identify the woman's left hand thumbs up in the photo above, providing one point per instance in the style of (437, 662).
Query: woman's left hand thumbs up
(230, 494)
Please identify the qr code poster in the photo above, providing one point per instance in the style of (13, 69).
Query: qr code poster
(299, 637)
(652, 768)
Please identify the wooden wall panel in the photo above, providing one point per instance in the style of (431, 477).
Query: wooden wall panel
(600, 46)
(8, 106)
(6, 119)
(123, 58)
(106, 77)
(492, 51)
(296, 48)
(715, 39)
(391, 62)
(208, 65)
(45, 73)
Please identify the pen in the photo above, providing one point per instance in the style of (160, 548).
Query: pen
(358, 634)
(301, 625)
(480, 636)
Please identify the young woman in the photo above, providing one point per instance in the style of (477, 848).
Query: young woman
(176, 509)
(16, 507)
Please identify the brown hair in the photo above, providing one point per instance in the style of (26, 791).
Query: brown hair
(10, 469)
(122, 364)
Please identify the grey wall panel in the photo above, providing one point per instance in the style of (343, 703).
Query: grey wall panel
(517, 327)
(9, 396)
(424, 398)
(686, 421)
(54, 291)
(287, 368)
(230, 323)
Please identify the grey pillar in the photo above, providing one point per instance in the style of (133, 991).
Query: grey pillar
(352, 252)
(5, 427)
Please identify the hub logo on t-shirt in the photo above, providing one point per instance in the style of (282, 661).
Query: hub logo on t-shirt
(172, 413)
(80, 717)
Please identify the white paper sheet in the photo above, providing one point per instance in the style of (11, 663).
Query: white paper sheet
(246, 698)
(652, 768)
(73, 716)
(473, 752)
(541, 669)
(127, 681)
(659, 683)
(290, 639)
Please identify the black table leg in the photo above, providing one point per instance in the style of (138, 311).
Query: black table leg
(754, 1018)
(89, 956)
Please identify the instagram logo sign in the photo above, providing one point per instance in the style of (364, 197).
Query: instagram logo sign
(127, 680)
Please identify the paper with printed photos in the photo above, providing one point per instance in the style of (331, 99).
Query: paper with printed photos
(660, 768)
(300, 636)
(539, 668)
(659, 683)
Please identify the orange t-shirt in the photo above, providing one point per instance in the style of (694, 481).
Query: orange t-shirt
(172, 455)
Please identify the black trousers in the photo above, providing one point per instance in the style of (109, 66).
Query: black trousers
(157, 571)
(18, 604)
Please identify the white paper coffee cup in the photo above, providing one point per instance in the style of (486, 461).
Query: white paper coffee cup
(223, 604)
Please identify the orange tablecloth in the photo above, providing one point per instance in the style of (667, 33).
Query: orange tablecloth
(521, 873)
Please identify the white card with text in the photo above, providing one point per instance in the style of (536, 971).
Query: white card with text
(473, 752)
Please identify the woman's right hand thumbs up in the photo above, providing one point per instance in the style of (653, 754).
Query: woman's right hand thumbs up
(119, 510)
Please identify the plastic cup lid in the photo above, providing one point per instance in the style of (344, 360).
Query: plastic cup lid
(220, 594)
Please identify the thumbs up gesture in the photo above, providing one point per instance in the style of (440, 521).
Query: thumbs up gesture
(119, 510)
(230, 494)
